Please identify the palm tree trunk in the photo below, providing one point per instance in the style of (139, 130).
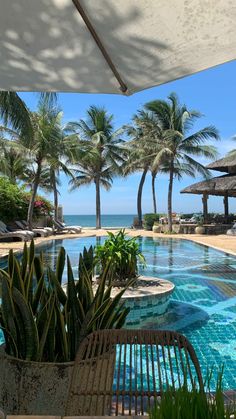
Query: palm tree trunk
(55, 195)
(154, 193)
(171, 178)
(139, 197)
(33, 195)
(98, 204)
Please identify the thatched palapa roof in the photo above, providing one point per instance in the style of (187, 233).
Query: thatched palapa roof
(219, 186)
(227, 164)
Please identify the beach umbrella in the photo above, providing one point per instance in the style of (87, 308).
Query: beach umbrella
(111, 46)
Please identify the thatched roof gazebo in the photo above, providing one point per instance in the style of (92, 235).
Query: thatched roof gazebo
(224, 186)
(226, 165)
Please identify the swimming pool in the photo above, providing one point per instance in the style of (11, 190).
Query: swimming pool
(203, 305)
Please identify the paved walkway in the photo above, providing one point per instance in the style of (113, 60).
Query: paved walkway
(220, 242)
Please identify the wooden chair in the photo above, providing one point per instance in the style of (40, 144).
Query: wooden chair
(122, 372)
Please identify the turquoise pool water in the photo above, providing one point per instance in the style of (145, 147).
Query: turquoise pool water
(203, 306)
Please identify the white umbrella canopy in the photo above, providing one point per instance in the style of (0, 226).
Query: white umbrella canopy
(111, 46)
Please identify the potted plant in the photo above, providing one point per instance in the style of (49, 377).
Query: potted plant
(148, 221)
(200, 229)
(43, 325)
(124, 253)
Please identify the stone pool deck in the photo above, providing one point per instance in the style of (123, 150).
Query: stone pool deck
(220, 242)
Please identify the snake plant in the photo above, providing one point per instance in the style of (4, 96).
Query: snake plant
(44, 321)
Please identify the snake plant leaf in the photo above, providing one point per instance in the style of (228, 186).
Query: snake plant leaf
(60, 264)
(38, 294)
(52, 277)
(120, 321)
(50, 310)
(31, 333)
(8, 317)
(61, 333)
(17, 280)
(10, 263)
(84, 288)
(71, 289)
(31, 252)
(97, 315)
(29, 284)
(24, 262)
(38, 267)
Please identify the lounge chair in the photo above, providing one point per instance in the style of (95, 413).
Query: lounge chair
(37, 231)
(62, 228)
(5, 233)
(123, 372)
(49, 229)
(232, 231)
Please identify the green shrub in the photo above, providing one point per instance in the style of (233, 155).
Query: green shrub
(123, 252)
(14, 201)
(13, 205)
(149, 219)
(42, 322)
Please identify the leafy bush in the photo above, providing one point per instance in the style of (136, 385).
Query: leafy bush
(149, 219)
(194, 404)
(42, 322)
(13, 205)
(14, 201)
(123, 252)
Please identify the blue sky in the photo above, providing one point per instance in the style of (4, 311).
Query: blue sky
(212, 92)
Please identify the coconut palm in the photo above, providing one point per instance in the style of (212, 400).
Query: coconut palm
(13, 162)
(50, 177)
(179, 144)
(14, 112)
(103, 152)
(143, 132)
(87, 173)
(43, 145)
(154, 175)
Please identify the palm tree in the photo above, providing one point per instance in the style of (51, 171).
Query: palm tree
(154, 175)
(14, 112)
(143, 132)
(101, 146)
(43, 145)
(13, 162)
(87, 173)
(179, 144)
(50, 177)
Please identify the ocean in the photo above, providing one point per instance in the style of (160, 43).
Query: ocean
(109, 220)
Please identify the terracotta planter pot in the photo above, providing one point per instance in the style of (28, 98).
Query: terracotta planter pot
(200, 230)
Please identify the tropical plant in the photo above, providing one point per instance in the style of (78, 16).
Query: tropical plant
(14, 111)
(179, 146)
(13, 202)
(142, 132)
(123, 252)
(45, 146)
(101, 146)
(43, 321)
(149, 220)
(13, 162)
(193, 404)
